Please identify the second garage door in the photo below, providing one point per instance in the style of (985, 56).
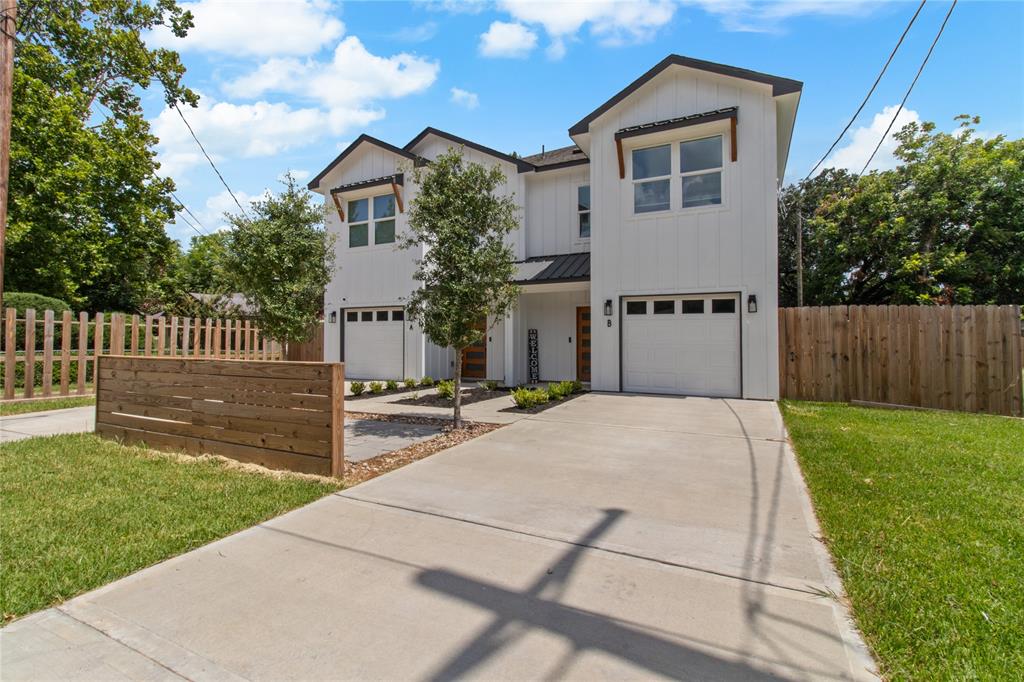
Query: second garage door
(374, 347)
(686, 345)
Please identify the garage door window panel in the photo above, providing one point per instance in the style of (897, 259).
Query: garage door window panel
(636, 307)
(700, 163)
(723, 305)
(652, 172)
(382, 316)
(367, 316)
(693, 306)
(351, 316)
(664, 307)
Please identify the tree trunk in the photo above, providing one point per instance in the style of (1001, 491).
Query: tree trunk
(457, 418)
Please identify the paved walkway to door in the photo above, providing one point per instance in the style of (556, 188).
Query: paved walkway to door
(614, 536)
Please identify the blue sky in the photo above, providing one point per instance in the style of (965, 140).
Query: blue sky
(287, 84)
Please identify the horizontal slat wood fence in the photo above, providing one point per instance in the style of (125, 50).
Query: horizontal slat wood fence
(72, 343)
(281, 415)
(965, 358)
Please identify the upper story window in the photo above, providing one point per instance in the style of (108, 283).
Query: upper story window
(700, 163)
(652, 171)
(583, 209)
(380, 211)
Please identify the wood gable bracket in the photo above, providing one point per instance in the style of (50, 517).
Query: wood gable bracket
(731, 113)
(397, 181)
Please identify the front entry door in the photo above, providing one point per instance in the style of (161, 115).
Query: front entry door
(474, 358)
(583, 343)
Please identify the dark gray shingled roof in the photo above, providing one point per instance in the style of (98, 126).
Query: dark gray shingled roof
(561, 157)
(568, 267)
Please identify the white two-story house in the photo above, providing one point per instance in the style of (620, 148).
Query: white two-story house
(647, 249)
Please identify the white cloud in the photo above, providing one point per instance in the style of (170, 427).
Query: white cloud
(465, 98)
(861, 142)
(230, 130)
(298, 174)
(212, 213)
(612, 22)
(264, 28)
(505, 39)
(347, 85)
(416, 34)
(767, 15)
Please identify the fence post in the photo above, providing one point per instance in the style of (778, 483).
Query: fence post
(161, 329)
(10, 356)
(337, 419)
(174, 336)
(208, 337)
(134, 348)
(97, 347)
(30, 352)
(65, 352)
(47, 381)
(83, 350)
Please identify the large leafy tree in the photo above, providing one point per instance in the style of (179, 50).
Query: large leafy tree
(87, 208)
(460, 223)
(281, 258)
(945, 226)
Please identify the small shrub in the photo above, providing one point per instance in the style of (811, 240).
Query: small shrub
(392, 385)
(409, 382)
(525, 398)
(489, 385)
(560, 390)
(427, 381)
(577, 386)
(357, 387)
(376, 387)
(446, 389)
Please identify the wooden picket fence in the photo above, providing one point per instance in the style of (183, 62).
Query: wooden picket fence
(71, 345)
(965, 358)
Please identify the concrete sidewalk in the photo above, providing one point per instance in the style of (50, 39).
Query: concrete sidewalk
(49, 423)
(623, 537)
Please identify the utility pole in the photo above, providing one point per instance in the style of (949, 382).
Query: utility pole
(8, 14)
(800, 257)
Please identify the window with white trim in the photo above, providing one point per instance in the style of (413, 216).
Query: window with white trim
(700, 164)
(652, 177)
(583, 210)
(380, 211)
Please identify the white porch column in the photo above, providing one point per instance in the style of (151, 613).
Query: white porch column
(511, 322)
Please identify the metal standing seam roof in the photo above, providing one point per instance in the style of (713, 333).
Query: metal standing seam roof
(569, 267)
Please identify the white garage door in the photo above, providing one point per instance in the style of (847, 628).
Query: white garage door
(373, 343)
(687, 345)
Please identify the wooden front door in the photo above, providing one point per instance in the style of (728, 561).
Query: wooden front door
(583, 343)
(474, 358)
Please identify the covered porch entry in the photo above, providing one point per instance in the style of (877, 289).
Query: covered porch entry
(551, 327)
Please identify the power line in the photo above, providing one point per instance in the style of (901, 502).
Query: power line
(212, 164)
(870, 92)
(187, 210)
(911, 88)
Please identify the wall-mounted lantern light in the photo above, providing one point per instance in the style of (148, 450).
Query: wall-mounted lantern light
(608, 307)
(333, 317)
(751, 303)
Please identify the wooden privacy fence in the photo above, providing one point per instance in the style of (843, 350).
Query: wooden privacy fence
(965, 358)
(65, 346)
(308, 351)
(281, 415)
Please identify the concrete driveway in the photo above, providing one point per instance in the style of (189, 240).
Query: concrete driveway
(614, 536)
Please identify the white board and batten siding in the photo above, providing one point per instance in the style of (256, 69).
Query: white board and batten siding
(717, 249)
(552, 217)
(369, 277)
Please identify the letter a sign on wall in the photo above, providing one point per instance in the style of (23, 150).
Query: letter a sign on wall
(533, 357)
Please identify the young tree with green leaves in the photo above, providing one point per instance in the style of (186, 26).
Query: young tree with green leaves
(87, 210)
(281, 257)
(460, 223)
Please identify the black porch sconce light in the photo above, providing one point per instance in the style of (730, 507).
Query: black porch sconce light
(608, 307)
(333, 318)
(751, 303)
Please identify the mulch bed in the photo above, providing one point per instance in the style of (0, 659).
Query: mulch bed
(357, 472)
(401, 389)
(540, 408)
(469, 396)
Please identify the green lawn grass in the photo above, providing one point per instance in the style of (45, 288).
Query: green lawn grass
(9, 409)
(78, 511)
(924, 515)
